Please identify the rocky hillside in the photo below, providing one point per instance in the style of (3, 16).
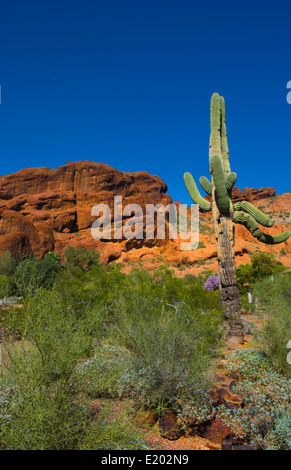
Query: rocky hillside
(45, 209)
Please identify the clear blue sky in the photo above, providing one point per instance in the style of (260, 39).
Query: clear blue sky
(129, 82)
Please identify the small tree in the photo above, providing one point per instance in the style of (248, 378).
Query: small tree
(226, 215)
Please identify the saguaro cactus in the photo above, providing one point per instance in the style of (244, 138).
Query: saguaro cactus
(226, 215)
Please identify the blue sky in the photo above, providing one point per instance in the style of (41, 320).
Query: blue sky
(129, 82)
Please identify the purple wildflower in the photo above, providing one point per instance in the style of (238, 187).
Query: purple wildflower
(212, 283)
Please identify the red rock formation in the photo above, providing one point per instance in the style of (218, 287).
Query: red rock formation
(39, 205)
(44, 209)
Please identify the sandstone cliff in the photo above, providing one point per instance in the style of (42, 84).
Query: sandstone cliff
(45, 209)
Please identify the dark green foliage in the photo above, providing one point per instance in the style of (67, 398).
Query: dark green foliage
(262, 265)
(6, 288)
(265, 264)
(80, 258)
(7, 264)
(281, 432)
(7, 268)
(31, 274)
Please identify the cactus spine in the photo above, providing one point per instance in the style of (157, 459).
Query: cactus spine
(226, 215)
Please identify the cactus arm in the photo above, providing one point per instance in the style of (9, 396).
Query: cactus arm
(206, 185)
(224, 144)
(194, 193)
(215, 123)
(222, 199)
(230, 181)
(250, 223)
(256, 213)
(274, 239)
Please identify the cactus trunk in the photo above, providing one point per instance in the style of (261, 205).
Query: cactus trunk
(224, 229)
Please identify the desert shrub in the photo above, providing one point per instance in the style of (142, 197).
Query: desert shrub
(5, 286)
(95, 287)
(281, 432)
(42, 404)
(262, 265)
(157, 329)
(7, 268)
(80, 258)
(110, 372)
(276, 330)
(267, 396)
(31, 274)
(122, 433)
(165, 342)
(196, 405)
(42, 392)
(7, 264)
(52, 418)
(265, 264)
(40, 417)
(102, 333)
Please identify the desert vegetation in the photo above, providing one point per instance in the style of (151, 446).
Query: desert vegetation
(87, 350)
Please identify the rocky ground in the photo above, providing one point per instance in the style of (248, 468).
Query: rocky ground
(166, 433)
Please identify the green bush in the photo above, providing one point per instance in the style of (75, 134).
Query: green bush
(42, 393)
(276, 330)
(122, 433)
(80, 258)
(40, 406)
(5, 286)
(262, 265)
(31, 274)
(7, 264)
(166, 339)
(157, 329)
(7, 268)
